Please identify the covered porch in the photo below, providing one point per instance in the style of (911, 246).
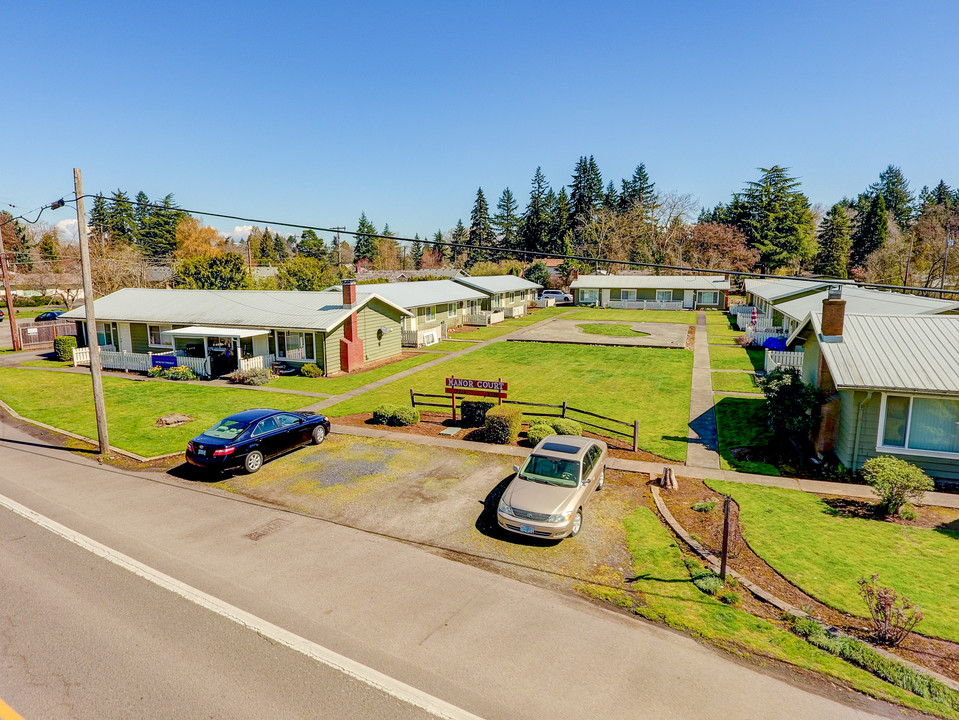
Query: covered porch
(226, 349)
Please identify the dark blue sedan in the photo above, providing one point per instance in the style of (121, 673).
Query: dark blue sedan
(247, 439)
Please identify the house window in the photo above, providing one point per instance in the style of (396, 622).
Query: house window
(158, 340)
(451, 310)
(512, 298)
(919, 424)
(664, 296)
(104, 334)
(497, 300)
(710, 297)
(588, 297)
(292, 345)
(431, 313)
(628, 295)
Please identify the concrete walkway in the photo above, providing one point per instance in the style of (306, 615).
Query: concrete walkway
(703, 447)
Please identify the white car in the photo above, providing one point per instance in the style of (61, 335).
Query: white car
(557, 295)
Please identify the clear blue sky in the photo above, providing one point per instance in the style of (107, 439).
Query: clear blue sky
(313, 111)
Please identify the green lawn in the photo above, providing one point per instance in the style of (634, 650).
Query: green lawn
(717, 319)
(825, 554)
(345, 383)
(47, 363)
(742, 422)
(648, 384)
(507, 326)
(668, 595)
(735, 382)
(735, 358)
(611, 329)
(663, 316)
(65, 400)
(450, 346)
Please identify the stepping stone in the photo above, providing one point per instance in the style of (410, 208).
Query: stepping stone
(451, 431)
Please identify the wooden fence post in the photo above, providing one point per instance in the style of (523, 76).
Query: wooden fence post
(635, 435)
(564, 408)
(453, 403)
(722, 566)
(412, 398)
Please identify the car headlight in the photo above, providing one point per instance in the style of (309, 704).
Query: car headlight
(561, 517)
(504, 508)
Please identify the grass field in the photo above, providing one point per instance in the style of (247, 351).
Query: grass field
(662, 316)
(648, 384)
(735, 382)
(345, 383)
(825, 554)
(611, 329)
(65, 400)
(507, 326)
(742, 422)
(450, 346)
(668, 595)
(735, 358)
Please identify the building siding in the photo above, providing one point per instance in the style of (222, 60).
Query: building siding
(376, 345)
(139, 338)
(332, 344)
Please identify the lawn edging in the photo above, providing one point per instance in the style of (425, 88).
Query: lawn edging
(711, 560)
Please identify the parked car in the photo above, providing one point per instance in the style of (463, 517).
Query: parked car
(249, 438)
(48, 316)
(547, 495)
(557, 295)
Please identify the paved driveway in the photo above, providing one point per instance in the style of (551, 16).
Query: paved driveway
(666, 335)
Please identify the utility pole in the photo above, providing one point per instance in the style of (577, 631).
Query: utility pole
(11, 312)
(91, 321)
(945, 262)
(912, 240)
(339, 250)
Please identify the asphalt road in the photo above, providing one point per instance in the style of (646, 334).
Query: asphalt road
(80, 637)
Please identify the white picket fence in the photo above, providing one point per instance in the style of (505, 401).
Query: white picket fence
(257, 361)
(138, 362)
(485, 318)
(512, 312)
(782, 358)
(758, 337)
(644, 305)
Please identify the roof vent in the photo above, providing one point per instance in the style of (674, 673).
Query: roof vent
(835, 292)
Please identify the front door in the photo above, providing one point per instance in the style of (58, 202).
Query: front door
(689, 299)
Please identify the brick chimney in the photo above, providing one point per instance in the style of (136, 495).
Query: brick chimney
(349, 292)
(351, 344)
(833, 312)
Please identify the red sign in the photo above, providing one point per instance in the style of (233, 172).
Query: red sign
(485, 388)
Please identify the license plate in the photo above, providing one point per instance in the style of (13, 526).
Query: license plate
(201, 452)
(528, 529)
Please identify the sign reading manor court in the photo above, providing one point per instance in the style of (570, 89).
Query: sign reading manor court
(485, 388)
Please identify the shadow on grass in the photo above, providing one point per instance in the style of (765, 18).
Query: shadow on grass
(950, 529)
(744, 436)
(486, 522)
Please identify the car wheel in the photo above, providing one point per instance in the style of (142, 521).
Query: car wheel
(602, 479)
(253, 462)
(319, 434)
(577, 523)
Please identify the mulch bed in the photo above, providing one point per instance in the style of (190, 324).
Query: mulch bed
(432, 423)
(941, 656)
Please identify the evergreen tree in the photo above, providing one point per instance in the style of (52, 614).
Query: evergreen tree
(611, 196)
(310, 245)
(99, 224)
(534, 231)
(872, 230)
(506, 222)
(226, 271)
(834, 244)
(141, 216)
(281, 249)
(894, 188)
(481, 231)
(638, 189)
(49, 247)
(561, 227)
(441, 251)
(365, 248)
(156, 226)
(416, 251)
(586, 191)
(940, 195)
(458, 237)
(121, 220)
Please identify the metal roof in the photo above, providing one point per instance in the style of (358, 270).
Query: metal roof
(773, 290)
(915, 353)
(498, 283)
(425, 292)
(207, 331)
(320, 311)
(665, 282)
(862, 301)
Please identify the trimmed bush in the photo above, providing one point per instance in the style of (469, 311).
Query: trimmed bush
(63, 347)
(537, 432)
(473, 412)
(565, 426)
(503, 424)
(704, 506)
(311, 370)
(404, 416)
(382, 414)
(895, 482)
(255, 376)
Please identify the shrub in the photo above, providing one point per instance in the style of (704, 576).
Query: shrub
(790, 402)
(311, 370)
(728, 597)
(63, 347)
(156, 371)
(908, 512)
(537, 432)
(503, 424)
(704, 506)
(403, 416)
(565, 426)
(383, 413)
(180, 372)
(893, 617)
(895, 481)
(706, 580)
(473, 412)
(255, 376)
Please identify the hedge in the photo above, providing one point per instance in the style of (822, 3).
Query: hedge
(63, 346)
(473, 412)
(537, 432)
(503, 424)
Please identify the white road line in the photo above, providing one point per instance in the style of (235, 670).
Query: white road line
(357, 671)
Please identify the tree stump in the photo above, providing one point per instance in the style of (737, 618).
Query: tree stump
(668, 480)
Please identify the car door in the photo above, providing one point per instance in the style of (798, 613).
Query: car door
(296, 432)
(267, 437)
(591, 469)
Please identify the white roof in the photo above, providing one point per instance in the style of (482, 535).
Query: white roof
(775, 289)
(915, 353)
(424, 292)
(320, 311)
(863, 301)
(490, 284)
(663, 282)
(207, 331)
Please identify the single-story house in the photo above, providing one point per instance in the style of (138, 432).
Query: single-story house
(435, 307)
(672, 292)
(216, 331)
(365, 275)
(892, 383)
(787, 303)
(509, 294)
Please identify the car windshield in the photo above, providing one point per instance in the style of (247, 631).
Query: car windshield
(227, 429)
(552, 470)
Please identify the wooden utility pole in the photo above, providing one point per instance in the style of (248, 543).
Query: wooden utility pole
(912, 240)
(722, 567)
(91, 321)
(11, 312)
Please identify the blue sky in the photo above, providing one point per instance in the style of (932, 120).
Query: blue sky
(314, 112)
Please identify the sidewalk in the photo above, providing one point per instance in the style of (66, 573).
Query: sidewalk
(703, 447)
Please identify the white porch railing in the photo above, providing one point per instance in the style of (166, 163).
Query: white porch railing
(257, 361)
(138, 362)
(777, 358)
(645, 305)
(758, 337)
(512, 312)
(485, 318)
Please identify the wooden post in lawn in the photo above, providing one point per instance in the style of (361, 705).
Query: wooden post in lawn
(499, 395)
(635, 434)
(412, 398)
(722, 567)
(564, 408)
(453, 403)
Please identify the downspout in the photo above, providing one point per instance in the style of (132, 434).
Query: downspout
(855, 447)
(326, 367)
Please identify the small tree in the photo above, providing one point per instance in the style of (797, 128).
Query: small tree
(790, 402)
(895, 482)
(537, 273)
(893, 617)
